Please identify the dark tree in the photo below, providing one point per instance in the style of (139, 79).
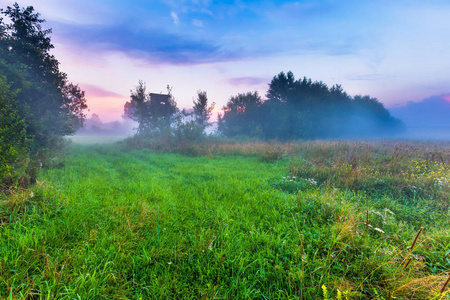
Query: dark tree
(303, 109)
(282, 87)
(241, 115)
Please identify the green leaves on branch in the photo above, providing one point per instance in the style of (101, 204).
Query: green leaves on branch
(13, 137)
(46, 104)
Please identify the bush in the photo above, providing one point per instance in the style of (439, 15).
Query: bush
(13, 138)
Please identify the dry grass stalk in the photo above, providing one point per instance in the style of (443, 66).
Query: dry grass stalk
(415, 239)
(445, 285)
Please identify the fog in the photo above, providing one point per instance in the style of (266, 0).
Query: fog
(428, 119)
(96, 131)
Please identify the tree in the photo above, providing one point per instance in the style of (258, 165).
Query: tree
(281, 87)
(49, 104)
(137, 108)
(372, 118)
(202, 112)
(302, 109)
(241, 115)
(45, 101)
(153, 112)
(13, 137)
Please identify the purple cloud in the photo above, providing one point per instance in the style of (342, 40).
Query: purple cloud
(98, 92)
(430, 112)
(237, 81)
(155, 45)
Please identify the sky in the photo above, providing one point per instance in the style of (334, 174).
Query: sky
(396, 51)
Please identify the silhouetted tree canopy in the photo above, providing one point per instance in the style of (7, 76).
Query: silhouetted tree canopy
(241, 115)
(298, 109)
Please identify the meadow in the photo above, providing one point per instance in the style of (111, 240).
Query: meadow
(232, 220)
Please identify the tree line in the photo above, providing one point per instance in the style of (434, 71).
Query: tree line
(38, 104)
(294, 109)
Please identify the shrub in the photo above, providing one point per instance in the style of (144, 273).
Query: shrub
(13, 138)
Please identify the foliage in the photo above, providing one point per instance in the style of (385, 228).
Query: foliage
(240, 115)
(13, 138)
(153, 112)
(49, 104)
(46, 102)
(202, 112)
(305, 109)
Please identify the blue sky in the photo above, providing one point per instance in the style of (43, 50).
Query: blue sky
(397, 51)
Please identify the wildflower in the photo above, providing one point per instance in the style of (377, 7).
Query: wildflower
(304, 257)
(169, 263)
(210, 247)
(389, 211)
(325, 292)
(31, 195)
(379, 230)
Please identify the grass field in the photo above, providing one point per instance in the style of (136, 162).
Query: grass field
(313, 220)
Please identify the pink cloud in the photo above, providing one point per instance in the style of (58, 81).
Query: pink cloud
(446, 97)
(93, 91)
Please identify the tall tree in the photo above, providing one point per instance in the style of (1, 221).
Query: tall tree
(202, 112)
(49, 104)
(137, 108)
(45, 101)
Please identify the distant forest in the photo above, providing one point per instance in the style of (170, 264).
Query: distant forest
(294, 109)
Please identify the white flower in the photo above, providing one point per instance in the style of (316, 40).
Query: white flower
(169, 263)
(31, 195)
(378, 229)
(389, 211)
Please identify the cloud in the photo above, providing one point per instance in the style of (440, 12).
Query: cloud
(98, 92)
(369, 77)
(431, 112)
(154, 45)
(197, 23)
(175, 18)
(247, 81)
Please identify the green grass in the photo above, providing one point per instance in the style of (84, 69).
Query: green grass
(115, 223)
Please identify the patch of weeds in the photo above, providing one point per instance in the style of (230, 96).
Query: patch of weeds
(293, 184)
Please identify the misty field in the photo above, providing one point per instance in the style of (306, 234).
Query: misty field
(311, 220)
